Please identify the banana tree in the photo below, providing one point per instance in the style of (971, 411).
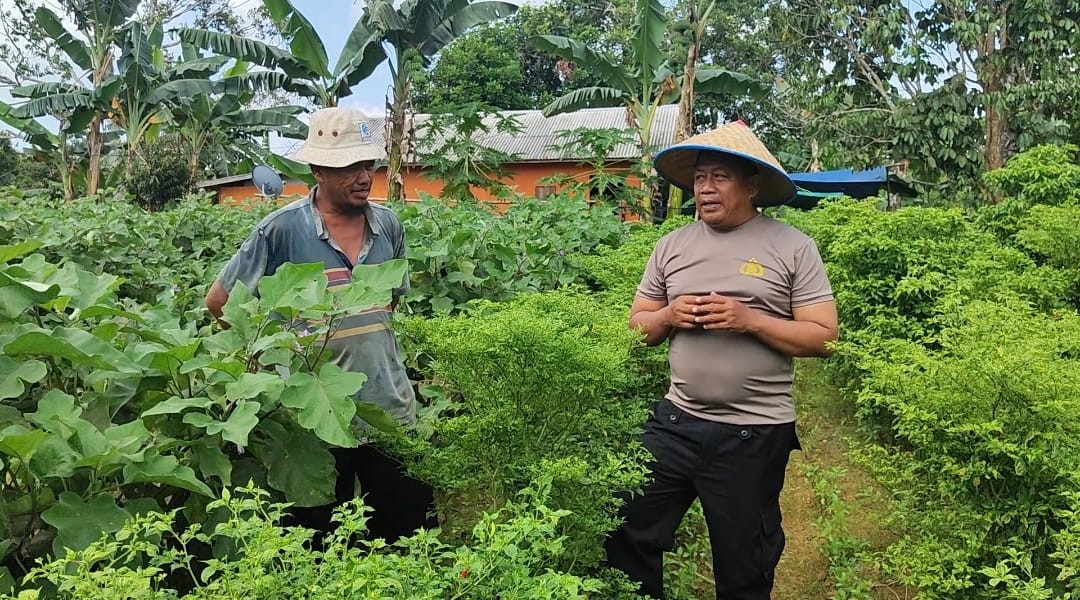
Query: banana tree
(416, 31)
(48, 146)
(90, 48)
(222, 115)
(644, 84)
(305, 63)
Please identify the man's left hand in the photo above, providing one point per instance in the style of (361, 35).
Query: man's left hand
(723, 313)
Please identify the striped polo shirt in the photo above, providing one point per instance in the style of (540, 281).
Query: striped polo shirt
(365, 342)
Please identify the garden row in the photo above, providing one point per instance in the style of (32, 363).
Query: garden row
(121, 399)
(961, 355)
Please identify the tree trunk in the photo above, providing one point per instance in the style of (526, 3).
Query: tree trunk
(93, 146)
(398, 138)
(685, 122)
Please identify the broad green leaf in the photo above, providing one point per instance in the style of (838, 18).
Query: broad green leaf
(243, 419)
(324, 403)
(176, 405)
(246, 49)
(81, 289)
(17, 296)
(375, 416)
(13, 251)
(212, 462)
(56, 412)
(53, 459)
(299, 465)
(456, 24)
(74, 345)
(304, 42)
(294, 288)
(15, 374)
(587, 97)
(251, 385)
(651, 24)
(241, 312)
(372, 285)
(610, 74)
(730, 83)
(165, 470)
(79, 524)
(21, 442)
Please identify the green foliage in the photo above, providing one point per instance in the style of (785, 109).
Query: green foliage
(960, 345)
(450, 149)
(113, 408)
(543, 386)
(512, 552)
(986, 421)
(170, 256)
(1042, 175)
(466, 252)
(160, 173)
(477, 68)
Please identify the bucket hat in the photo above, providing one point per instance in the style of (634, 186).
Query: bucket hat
(677, 163)
(339, 137)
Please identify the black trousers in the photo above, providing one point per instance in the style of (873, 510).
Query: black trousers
(401, 504)
(737, 472)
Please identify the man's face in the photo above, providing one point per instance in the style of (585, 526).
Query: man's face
(347, 188)
(723, 191)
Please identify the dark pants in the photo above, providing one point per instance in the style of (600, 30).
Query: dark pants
(737, 472)
(400, 503)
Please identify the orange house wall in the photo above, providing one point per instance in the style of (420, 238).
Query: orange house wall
(524, 178)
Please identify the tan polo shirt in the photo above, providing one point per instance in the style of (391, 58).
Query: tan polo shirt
(769, 266)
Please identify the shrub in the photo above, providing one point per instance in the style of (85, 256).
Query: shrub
(160, 173)
(511, 553)
(543, 387)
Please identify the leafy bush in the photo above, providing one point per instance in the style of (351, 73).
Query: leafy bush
(985, 435)
(543, 386)
(169, 256)
(1042, 175)
(511, 554)
(160, 173)
(110, 410)
(467, 252)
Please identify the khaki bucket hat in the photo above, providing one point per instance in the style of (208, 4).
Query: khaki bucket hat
(676, 163)
(339, 137)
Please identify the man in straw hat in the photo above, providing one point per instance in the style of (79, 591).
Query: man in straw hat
(738, 294)
(336, 225)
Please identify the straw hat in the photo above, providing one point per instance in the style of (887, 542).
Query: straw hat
(676, 163)
(338, 137)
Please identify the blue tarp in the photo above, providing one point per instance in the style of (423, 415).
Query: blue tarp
(857, 184)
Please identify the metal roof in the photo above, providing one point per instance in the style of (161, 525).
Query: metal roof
(538, 135)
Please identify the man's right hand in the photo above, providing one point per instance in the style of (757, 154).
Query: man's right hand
(683, 311)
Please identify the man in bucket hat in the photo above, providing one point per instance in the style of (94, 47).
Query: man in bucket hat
(336, 225)
(738, 295)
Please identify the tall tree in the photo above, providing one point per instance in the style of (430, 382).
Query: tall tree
(954, 87)
(414, 32)
(306, 62)
(516, 74)
(643, 83)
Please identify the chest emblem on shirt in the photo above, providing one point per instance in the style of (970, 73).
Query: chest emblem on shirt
(752, 268)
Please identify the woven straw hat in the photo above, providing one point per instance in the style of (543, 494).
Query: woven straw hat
(338, 137)
(677, 163)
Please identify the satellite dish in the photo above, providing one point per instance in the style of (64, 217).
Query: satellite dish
(267, 181)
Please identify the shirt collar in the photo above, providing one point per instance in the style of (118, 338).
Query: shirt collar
(320, 225)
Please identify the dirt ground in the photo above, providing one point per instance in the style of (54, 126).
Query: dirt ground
(825, 430)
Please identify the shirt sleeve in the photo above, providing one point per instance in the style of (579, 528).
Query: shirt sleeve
(248, 265)
(653, 283)
(400, 251)
(810, 284)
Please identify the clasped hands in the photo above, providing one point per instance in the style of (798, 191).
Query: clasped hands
(712, 311)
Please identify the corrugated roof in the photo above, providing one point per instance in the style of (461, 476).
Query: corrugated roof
(539, 134)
